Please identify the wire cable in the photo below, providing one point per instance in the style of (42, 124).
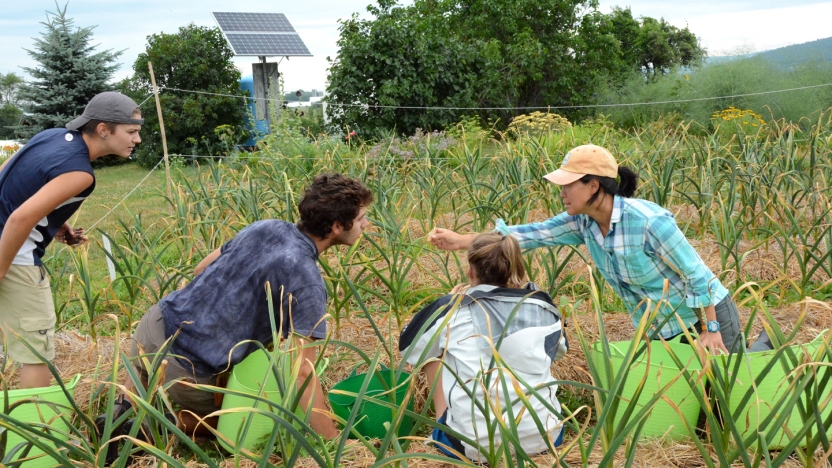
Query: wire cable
(583, 106)
(89, 229)
(146, 99)
(128, 194)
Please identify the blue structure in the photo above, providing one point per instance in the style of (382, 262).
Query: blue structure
(260, 127)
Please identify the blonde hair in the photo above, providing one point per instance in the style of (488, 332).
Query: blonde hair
(497, 260)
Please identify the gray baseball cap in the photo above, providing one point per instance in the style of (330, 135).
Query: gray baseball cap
(108, 106)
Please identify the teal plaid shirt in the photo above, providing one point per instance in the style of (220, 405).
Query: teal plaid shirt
(642, 248)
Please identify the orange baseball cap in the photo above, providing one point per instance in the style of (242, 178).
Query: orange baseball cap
(581, 161)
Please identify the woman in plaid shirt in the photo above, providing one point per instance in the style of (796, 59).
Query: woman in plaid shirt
(636, 246)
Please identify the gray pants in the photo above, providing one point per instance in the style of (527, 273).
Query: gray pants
(729, 327)
(148, 339)
(729, 324)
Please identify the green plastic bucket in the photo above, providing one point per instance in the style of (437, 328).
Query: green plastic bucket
(32, 412)
(371, 416)
(773, 389)
(247, 377)
(663, 419)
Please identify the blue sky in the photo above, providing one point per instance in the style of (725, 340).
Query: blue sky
(724, 26)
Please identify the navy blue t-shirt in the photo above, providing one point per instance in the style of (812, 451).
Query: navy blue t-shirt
(227, 302)
(47, 155)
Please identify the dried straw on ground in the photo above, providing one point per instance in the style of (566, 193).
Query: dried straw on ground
(80, 354)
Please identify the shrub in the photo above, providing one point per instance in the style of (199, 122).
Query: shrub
(537, 123)
(421, 144)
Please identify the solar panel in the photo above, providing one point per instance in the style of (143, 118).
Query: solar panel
(260, 34)
(251, 22)
(268, 45)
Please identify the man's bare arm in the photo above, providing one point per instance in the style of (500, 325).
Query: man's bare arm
(207, 261)
(314, 393)
(26, 216)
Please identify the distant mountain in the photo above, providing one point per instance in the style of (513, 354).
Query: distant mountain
(819, 51)
(791, 56)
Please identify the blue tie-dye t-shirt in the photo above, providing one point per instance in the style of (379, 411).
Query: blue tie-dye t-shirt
(227, 302)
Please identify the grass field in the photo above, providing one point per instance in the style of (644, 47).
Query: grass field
(755, 204)
(122, 193)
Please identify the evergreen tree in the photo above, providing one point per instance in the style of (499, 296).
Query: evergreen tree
(69, 75)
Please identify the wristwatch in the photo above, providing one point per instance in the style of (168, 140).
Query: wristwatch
(712, 326)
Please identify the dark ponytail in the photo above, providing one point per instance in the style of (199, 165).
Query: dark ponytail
(628, 181)
(608, 185)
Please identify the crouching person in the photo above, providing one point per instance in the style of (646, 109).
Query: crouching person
(463, 329)
(226, 303)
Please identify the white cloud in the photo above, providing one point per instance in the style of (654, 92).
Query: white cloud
(764, 29)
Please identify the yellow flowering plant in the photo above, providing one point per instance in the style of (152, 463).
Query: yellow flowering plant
(732, 121)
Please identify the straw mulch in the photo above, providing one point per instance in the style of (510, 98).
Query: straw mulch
(79, 354)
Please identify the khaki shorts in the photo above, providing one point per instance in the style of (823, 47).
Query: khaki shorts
(27, 310)
(148, 340)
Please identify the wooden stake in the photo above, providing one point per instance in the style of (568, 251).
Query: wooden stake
(161, 129)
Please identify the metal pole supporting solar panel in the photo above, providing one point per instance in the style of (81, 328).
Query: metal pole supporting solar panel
(266, 87)
(264, 80)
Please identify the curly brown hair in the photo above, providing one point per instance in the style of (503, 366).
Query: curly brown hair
(329, 199)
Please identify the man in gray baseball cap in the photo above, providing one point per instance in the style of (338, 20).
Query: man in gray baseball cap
(109, 106)
(41, 187)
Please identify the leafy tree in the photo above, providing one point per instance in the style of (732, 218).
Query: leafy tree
(197, 58)
(9, 87)
(10, 112)
(485, 54)
(400, 59)
(69, 75)
(10, 116)
(654, 47)
(626, 30)
(466, 53)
